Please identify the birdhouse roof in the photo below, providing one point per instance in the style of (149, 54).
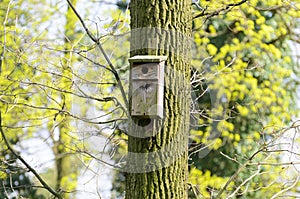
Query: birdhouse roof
(147, 58)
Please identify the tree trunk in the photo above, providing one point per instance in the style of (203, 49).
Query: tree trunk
(66, 167)
(158, 148)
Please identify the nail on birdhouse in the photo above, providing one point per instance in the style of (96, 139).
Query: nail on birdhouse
(147, 90)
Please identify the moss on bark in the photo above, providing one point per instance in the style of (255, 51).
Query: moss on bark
(157, 162)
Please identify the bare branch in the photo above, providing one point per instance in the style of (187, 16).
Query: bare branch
(97, 41)
(59, 111)
(227, 8)
(4, 36)
(241, 168)
(32, 170)
(286, 189)
(244, 182)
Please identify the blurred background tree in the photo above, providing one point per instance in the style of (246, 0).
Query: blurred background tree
(251, 72)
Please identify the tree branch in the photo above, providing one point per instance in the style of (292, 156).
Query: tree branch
(218, 11)
(235, 175)
(97, 41)
(286, 189)
(32, 170)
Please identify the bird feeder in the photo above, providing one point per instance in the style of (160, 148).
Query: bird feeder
(147, 89)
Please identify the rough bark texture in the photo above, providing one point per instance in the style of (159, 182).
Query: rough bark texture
(157, 161)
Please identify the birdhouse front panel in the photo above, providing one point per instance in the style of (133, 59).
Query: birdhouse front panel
(145, 99)
(145, 71)
(147, 92)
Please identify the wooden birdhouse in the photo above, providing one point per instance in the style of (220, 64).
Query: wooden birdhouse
(147, 93)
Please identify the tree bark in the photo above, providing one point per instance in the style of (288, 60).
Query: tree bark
(158, 148)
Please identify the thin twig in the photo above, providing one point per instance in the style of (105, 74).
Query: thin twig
(4, 36)
(237, 172)
(32, 170)
(286, 189)
(244, 182)
(218, 11)
(97, 41)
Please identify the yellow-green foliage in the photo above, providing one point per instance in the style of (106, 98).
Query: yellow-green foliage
(205, 182)
(36, 85)
(15, 70)
(251, 70)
